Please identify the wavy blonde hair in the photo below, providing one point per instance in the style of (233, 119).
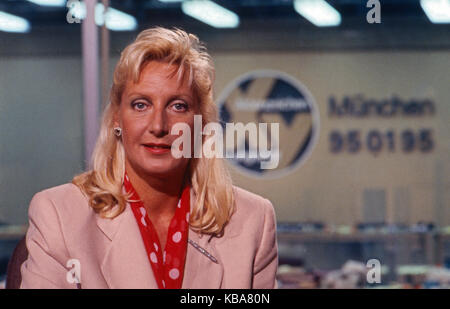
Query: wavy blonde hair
(209, 177)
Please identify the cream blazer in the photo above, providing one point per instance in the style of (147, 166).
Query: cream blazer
(111, 253)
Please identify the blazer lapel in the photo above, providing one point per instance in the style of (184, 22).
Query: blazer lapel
(203, 267)
(201, 271)
(125, 264)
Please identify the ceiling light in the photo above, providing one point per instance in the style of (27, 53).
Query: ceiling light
(210, 13)
(318, 12)
(49, 2)
(115, 20)
(12, 23)
(437, 11)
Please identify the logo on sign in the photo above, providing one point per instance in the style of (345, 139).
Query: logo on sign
(268, 96)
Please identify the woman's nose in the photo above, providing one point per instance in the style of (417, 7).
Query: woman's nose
(158, 123)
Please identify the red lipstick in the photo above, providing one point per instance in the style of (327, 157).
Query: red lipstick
(157, 148)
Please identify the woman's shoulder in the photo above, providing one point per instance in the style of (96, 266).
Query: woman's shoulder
(63, 189)
(64, 192)
(250, 200)
(252, 211)
(61, 199)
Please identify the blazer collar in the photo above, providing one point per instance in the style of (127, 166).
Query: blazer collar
(203, 268)
(200, 271)
(125, 263)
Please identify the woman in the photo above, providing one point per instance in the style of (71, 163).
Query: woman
(141, 218)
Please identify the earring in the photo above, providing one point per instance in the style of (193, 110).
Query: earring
(118, 131)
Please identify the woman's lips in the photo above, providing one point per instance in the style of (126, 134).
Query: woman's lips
(157, 149)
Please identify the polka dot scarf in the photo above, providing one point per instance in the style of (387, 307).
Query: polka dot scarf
(167, 266)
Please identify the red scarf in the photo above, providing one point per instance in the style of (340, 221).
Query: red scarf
(168, 266)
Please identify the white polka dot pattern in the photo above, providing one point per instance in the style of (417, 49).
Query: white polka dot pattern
(143, 212)
(174, 273)
(153, 257)
(167, 263)
(176, 237)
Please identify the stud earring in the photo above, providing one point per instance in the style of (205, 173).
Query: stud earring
(118, 131)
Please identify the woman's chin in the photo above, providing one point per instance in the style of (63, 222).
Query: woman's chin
(162, 170)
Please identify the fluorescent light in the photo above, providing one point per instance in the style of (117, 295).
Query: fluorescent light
(168, 1)
(12, 23)
(49, 2)
(210, 13)
(437, 11)
(318, 12)
(115, 20)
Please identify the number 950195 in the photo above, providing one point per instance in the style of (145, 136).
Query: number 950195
(376, 141)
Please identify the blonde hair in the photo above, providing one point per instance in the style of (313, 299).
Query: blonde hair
(209, 177)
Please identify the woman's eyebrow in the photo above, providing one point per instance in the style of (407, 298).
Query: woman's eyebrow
(181, 96)
(176, 94)
(136, 94)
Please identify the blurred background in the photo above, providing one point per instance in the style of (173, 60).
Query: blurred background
(360, 90)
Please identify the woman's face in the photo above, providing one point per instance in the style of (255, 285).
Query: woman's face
(147, 112)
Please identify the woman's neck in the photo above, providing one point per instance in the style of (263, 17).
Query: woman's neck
(160, 195)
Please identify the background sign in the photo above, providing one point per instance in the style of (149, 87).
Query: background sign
(382, 153)
(268, 96)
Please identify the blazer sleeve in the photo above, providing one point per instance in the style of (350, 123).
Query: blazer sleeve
(47, 253)
(266, 259)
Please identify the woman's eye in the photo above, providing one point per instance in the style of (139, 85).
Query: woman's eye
(179, 107)
(139, 106)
